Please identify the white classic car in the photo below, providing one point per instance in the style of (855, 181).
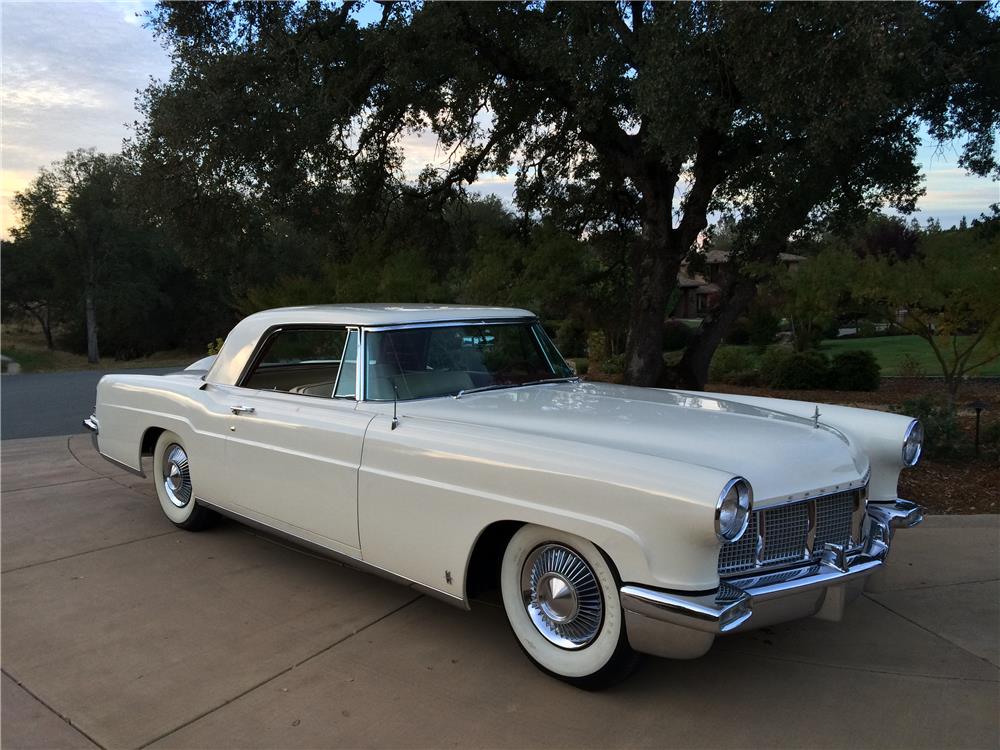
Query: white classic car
(453, 449)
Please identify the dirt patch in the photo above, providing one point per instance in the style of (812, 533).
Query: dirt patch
(945, 486)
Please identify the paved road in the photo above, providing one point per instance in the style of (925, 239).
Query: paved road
(120, 631)
(51, 403)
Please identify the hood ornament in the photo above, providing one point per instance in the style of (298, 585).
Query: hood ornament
(816, 418)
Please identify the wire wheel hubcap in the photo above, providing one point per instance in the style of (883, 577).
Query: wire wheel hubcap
(176, 475)
(562, 596)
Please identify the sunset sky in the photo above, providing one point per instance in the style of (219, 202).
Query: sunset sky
(70, 72)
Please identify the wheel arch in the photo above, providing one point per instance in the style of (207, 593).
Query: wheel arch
(482, 571)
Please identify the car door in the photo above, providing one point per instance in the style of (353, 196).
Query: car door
(294, 447)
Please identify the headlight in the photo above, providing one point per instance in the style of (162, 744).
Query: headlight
(913, 443)
(732, 512)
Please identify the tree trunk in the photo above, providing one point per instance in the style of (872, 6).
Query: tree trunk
(654, 270)
(93, 355)
(692, 370)
(46, 321)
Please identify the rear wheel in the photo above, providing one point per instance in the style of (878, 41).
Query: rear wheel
(172, 475)
(561, 599)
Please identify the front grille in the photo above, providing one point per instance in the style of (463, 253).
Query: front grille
(781, 535)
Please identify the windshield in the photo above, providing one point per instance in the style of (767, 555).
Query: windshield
(408, 363)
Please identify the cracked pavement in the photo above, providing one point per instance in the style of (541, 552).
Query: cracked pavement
(120, 631)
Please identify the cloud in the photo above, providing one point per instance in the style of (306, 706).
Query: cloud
(70, 76)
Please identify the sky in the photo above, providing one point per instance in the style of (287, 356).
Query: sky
(70, 72)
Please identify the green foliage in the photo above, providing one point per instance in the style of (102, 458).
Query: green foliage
(949, 296)
(730, 364)
(613, 365)
(812, 294)
(802, 371)
(943, 437)
(855, 371)
(771, 363)
(600, 109)
(910, 367)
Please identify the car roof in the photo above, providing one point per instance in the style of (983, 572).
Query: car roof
(242, 340)
(386, 314)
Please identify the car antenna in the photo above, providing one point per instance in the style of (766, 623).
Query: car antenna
(395, 398)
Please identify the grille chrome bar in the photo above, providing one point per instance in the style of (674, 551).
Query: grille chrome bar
(794, 532)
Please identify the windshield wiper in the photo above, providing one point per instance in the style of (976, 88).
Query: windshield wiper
(498, 386)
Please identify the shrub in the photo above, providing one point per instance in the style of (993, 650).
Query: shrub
(613, 365)
(803, 371)
(676, 335)
(728, 361)
(762, 326)
(942, 435)
(581, 366)
(855, 371)
(597, 346)
(771, 362)
(740, 333)
(750, 378)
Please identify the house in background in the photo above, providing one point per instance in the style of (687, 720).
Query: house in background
(699, 293)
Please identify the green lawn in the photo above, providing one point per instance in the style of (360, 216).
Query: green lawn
(891, 351)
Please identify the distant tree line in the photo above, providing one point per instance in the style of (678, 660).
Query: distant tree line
(267, 169)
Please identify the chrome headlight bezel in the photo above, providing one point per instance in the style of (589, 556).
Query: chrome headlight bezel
(733, 509)
(913, 443)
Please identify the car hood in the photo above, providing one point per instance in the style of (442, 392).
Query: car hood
(783, 456)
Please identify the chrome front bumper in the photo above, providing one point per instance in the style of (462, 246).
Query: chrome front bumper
(683, 626)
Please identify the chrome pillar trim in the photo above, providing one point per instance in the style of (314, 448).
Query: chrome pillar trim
(701, 612)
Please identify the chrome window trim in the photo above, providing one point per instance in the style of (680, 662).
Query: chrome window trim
(365, 330)
(340, 370)
(254, 359)
(452, 323)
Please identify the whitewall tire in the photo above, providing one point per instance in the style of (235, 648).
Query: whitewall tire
(172, 477)
(561, 599)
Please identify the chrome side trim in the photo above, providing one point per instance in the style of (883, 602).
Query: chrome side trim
(452, 323)
(92, 424)
(340, 557)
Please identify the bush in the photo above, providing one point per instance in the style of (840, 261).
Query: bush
(802, 371)
(740, 333)
(762, 326)
(855, 371)
(676, 335)
(727, 362)
(942, 435)
(771, 362)
(581, 366)
(597, 346)
(613, 365)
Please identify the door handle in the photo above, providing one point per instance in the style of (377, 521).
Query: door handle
(242, 409)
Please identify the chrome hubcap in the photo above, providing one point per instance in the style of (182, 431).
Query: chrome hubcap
(562, 596)
(176, 475)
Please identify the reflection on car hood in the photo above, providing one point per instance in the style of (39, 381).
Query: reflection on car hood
(782, 455)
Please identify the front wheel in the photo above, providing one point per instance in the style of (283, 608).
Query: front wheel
(562, 603)
(172, 475)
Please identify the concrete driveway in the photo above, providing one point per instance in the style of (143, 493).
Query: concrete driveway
(121, 632)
